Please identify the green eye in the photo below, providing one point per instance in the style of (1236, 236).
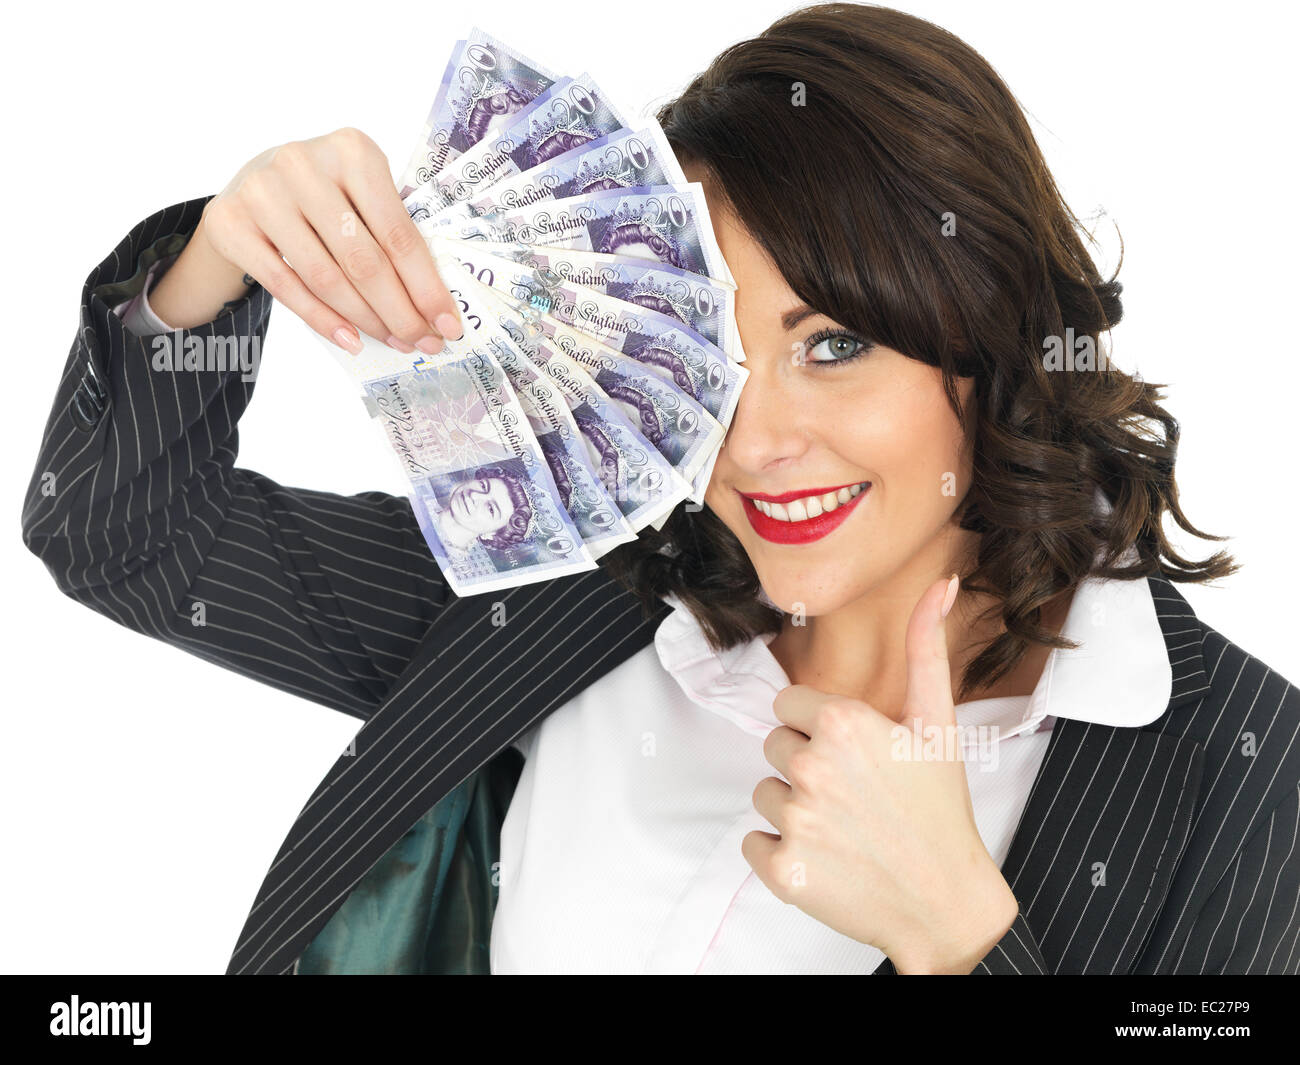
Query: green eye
(835, 347)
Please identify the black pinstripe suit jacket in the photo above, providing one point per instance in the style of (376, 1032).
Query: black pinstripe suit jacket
(1168, 848)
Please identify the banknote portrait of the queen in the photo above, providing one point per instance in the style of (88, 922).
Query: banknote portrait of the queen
(490, 507)
(609, 462)
(557, 458)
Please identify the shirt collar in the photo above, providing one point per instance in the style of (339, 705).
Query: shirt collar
(1118, 675)
(738, 683)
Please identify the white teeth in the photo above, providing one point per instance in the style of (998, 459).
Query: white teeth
(809, 506)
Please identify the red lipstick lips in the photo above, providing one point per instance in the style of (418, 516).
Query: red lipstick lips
(799, 532)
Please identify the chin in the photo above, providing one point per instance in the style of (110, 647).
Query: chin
(811, 598)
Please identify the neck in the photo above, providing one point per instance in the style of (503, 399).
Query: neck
(859, 650)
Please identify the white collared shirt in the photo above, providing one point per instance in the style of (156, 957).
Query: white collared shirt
(621, 848)
(620, 852)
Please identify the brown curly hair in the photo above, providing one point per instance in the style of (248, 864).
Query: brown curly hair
(891, 175)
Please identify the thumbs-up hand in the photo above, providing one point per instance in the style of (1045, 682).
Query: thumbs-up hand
(877, 836)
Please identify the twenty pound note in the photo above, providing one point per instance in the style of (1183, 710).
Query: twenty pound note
(483, 494)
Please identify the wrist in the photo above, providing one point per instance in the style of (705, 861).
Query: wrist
(970, 936)
(198, 285)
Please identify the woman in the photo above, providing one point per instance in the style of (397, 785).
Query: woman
(914, 525)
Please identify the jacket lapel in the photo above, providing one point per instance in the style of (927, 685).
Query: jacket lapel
(1107, 820)
(489, 668)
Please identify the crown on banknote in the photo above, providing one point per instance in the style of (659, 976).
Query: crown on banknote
(667, 299)
(488, 86)
(605, 174)
(631, 213)
(666, 351)
(645, 220)
(575, 126)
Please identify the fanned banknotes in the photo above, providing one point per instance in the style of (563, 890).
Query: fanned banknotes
(600, 366)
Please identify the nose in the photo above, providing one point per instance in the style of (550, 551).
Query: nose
(768, 429)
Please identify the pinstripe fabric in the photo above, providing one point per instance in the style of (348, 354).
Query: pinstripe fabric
(1170, 848)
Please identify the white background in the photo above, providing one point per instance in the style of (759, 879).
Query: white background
(145, 791)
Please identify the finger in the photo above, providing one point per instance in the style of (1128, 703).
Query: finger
(780, 744)
(929, 673)
(297, 242)
(384, 214)
(797, 706)
(366, 265)
(266, 267)
(770, 799)
(759, 849)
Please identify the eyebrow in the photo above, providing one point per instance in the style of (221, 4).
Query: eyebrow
(792, 318)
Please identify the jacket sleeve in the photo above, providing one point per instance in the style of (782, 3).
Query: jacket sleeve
(1251, 923)
(138, 511)
(1015, 954)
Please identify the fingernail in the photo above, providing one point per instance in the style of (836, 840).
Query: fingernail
(950, 596)
(399, 345)
(449, 326)
(347, 340)
(430, 345)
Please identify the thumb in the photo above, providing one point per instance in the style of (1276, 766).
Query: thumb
(929, 674)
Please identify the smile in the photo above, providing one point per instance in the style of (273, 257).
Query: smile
(801, 517)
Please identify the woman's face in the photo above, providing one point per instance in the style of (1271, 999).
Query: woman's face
(481, 506)
(823, 412)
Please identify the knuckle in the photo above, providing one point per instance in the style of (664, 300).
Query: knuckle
(402, 239)
(409, 327)
(351, 139)
(799, 820)
(836, 720)
(795, 766)
(802, 767)
(219, 216)
(436, 299)
(362, 264)
(276, 281)
(256, 189)
(291, 158)
(321, 275)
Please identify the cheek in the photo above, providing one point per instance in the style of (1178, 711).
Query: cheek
(904, 434)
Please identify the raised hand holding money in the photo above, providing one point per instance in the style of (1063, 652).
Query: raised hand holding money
(600, 365)
(318, 223)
